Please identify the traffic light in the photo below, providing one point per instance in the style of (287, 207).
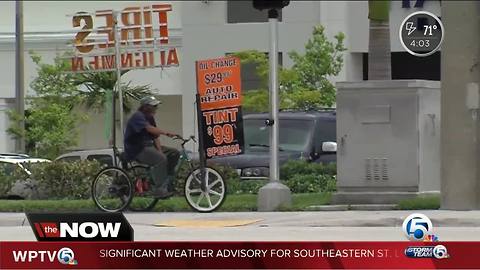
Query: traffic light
(270, 4)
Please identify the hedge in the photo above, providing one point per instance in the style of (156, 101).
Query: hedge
(72, 180)
(54, 180)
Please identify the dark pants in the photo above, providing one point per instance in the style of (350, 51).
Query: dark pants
(162, 164)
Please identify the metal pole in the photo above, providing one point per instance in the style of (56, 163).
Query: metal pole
(201, 144)
(118, 66)
(273, 59)
(114, 118)
(274, 194)
(19, 72)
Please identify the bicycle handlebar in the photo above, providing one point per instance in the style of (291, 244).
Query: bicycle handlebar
(184, 141)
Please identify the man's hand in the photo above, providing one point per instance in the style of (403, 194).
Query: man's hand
(172, 135)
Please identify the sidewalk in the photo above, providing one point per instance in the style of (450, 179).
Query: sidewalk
(440, 218)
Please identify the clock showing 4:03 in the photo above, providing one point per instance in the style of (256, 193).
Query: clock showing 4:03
(421, 33)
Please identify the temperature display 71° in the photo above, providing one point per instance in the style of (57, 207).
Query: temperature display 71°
(421, 33)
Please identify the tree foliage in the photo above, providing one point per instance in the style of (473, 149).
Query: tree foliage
(50, 128)
(260, 60)
(304, 86)
(96, 85)
(379, 10)
(51, 123)
(54, 83)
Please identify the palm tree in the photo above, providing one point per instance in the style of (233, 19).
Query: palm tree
(97, 89)
(379, 59)
(97, 85)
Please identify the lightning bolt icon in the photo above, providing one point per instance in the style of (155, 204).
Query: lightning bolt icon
(410, 28)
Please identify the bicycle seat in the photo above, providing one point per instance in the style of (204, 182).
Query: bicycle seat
(129, 163)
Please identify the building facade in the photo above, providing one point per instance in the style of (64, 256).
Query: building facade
(201, 30)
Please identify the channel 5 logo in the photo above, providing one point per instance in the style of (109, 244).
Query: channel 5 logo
(418, 227)
(66, 256)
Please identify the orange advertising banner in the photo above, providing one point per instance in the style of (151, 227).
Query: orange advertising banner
(220, 100)
(219, 83)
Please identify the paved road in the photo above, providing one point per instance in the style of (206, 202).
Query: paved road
(280, 226)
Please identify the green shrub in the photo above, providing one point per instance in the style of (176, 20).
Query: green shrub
(304, 177)
(65, 180)
(299, 176)
(246, 186)
(229, 175)
(9, 174)
(5, 184)
(427, 202)
(7, 179)
(72, 180)
(311, 183)
(295, 167)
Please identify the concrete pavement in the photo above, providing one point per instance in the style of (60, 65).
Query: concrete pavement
(440, 218)
(281, 226)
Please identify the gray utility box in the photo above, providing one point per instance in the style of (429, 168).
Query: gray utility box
(388, 136)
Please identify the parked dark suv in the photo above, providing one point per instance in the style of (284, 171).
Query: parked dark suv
(302, 135)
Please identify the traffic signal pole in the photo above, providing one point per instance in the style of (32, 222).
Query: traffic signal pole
(274, 100)
(274, 194)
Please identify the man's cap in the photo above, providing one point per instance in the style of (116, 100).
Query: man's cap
(150, 100)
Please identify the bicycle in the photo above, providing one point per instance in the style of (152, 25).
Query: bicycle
(114, 188)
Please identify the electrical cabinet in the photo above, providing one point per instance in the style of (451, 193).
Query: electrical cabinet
(388, 136)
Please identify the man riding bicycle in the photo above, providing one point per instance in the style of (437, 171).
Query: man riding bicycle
(142, 143)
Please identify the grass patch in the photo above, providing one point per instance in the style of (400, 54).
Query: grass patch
(233, 203)
(46, 205)
(420, 203)
(303, 200)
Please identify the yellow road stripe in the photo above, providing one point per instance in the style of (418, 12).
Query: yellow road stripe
(206, 223)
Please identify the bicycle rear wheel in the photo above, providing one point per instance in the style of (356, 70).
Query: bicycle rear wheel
(210, 199)
(112, 190)
(143, 197)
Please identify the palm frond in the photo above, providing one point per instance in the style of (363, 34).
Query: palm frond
(97, 84)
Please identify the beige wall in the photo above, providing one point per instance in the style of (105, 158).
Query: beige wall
(7, 144)
(51, 16)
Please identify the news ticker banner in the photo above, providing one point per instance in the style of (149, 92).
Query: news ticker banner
(219, 87)
(239, 255)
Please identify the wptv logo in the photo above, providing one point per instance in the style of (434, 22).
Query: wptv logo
(418, 227)
(64, 256)
(81, 227)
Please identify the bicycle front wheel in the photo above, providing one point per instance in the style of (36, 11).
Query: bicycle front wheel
(143, 198)
(112, 190)
(212, 197)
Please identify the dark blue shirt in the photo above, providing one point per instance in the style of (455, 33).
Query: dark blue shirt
(136, 135)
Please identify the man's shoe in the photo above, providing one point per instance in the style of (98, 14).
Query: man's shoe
(162, 193)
